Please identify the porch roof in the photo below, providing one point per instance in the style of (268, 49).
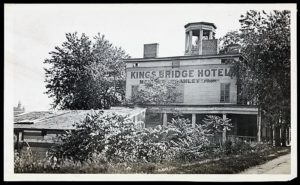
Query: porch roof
(64, 119)
(205, 109)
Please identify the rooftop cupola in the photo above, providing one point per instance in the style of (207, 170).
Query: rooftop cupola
(200, 39)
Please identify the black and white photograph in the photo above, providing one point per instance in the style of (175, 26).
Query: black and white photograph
(150, 92)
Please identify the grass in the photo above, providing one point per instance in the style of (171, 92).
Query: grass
(215, 163)
(231, 164)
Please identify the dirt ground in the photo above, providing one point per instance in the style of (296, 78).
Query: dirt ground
(280, 165)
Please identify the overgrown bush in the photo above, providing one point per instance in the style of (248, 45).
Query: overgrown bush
(238, 146)
(241, 147)
(228, 147)
(117, 140)
(27, 162)
(109, 136)
(115, 144)
(215, 125)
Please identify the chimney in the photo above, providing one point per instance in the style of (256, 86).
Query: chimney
(151, 50)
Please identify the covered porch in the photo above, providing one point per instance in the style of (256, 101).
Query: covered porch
(246, 120)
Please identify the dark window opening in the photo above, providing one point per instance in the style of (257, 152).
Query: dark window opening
(225, 93)
(134, 90)
(223, 61)
(153, 119)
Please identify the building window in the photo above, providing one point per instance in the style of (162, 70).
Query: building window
(175, 64)
(225, 93)
(223, 61)
(134, 90)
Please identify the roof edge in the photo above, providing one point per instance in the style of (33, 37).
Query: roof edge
(181, 58)
(205, 23)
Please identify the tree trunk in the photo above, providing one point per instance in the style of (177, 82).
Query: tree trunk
(267, 137)
(114, 103)
(283, 136)
(287, 127)
(277, 136)
(288, 135)
(271, 135)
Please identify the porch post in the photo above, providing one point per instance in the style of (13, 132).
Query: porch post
(224, 130)
(186, 42)
(210, 35)
(259, 127)
(193, 120)
(17, 142)
(200, 41)
(190, 41)
(22, 136)
(165, 119)
(19, 137)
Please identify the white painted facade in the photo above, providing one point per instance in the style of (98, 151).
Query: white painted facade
(203, 75)
(198, 90)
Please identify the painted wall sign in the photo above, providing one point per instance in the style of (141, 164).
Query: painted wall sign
(189, 80)
(182, 73)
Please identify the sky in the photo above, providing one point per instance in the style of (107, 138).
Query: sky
(33, 30)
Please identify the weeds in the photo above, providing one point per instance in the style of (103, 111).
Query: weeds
(113, 144)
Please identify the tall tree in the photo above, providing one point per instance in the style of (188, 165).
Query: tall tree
(264, 75)
(232, 37)
(82, 74)
(156, 91)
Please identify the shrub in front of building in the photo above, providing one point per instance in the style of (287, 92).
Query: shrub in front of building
(113, 144)
(115, 139)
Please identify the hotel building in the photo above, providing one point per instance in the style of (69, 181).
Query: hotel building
(206, 86)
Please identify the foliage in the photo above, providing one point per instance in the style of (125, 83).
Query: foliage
(215, 124)
(237, 147)
(156, 91)
(264, 74)
(176, 142)
(113, 144)
(230, 38)
(82, 74)
(230, 164)
(27, 162)
(109, 137)
(116, 139)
